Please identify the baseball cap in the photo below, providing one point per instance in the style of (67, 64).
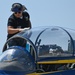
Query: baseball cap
(17, 7)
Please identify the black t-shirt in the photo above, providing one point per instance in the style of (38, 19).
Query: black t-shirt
(18, 22)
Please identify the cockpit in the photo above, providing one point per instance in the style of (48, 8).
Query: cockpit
(38, 45)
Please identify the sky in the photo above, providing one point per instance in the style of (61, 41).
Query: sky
(42, 13)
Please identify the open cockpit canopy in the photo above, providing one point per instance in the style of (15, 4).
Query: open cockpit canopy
(43, 42)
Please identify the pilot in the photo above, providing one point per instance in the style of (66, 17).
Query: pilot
(18, 21)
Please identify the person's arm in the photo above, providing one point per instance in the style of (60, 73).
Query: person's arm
(10, 26)
(12, 30)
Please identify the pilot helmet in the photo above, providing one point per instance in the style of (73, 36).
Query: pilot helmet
(17, 7)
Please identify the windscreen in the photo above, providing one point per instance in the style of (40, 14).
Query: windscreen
(51, 41)
(54, 42)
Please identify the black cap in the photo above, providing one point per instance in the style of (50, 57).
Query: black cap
(17, 7)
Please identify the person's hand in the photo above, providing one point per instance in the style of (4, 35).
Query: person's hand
(27, 28)
(21, 29)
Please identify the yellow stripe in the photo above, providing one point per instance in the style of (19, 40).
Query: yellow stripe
(34, 74)
(53, 62)
(57, 61)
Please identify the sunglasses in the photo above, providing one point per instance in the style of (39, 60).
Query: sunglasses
(17, 12)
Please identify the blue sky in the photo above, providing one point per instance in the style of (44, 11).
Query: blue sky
(42, 13)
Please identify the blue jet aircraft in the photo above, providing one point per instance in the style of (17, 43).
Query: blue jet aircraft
(39, 51)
